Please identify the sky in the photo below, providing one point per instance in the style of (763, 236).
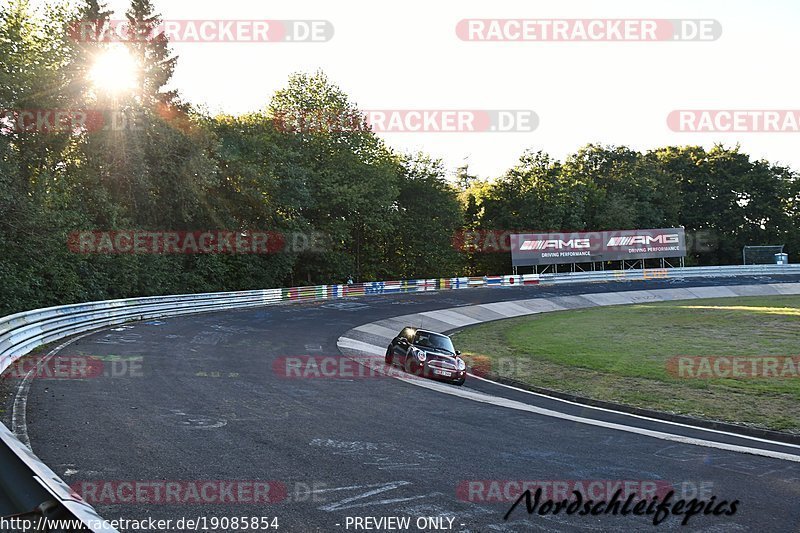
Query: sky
(406, 55)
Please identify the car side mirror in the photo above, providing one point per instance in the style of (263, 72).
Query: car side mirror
(458, 352)
(402, 340)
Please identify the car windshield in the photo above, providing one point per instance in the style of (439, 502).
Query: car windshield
(433, 340)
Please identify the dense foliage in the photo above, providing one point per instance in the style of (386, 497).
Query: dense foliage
(383, 215)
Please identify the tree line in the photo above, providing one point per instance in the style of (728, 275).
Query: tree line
(384, 214)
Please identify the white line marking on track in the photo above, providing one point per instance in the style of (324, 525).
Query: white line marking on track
(380, 488)
(641, 417)
(361, 346)
(519, 406)
(509, 309)
(378, 330)
(19, 420)
(450, 317)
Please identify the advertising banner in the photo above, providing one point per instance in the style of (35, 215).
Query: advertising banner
(584, 247)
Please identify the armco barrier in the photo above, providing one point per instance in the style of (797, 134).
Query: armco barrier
(28, 486)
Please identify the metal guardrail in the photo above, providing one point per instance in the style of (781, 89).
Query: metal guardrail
(674, 273)
(29, 486)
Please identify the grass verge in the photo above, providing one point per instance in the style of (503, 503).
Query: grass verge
(622, 354)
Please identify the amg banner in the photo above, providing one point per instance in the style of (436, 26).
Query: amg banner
(583, 247)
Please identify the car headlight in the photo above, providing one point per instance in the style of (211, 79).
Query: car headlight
(419, 354)
(461, 364)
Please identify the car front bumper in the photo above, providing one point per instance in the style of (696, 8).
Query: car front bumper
(441, 373)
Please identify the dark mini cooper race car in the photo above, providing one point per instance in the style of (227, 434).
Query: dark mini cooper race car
(428, 354)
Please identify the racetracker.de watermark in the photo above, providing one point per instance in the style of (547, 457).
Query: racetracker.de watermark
(336, 367)
(734, 367)
(588, 30)
(69, 121)
(204, 31)
(60, 367)
(179, 492)
(509, 490)
(195, 242)
(366, 366)
(409, 121)
(734, 121)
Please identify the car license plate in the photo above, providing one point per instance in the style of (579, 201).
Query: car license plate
(442, 373)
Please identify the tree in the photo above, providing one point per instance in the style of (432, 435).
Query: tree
(307, 163)
(351, 176)
(428, 217)
(150, 47)
(621, 189)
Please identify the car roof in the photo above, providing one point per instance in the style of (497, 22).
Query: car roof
(417, 330)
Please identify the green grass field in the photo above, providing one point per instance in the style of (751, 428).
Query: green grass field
(620, 354)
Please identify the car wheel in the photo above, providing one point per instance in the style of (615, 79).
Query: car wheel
(389, 356)
(459, 382)
(410, 366)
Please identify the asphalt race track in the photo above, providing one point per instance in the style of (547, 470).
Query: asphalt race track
(207, 404)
